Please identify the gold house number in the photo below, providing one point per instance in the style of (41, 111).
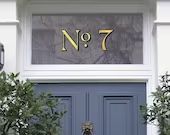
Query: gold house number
(85, 37)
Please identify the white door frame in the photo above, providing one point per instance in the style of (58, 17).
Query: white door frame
(88, 73)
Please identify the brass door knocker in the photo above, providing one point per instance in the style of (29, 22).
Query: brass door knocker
(87, 128)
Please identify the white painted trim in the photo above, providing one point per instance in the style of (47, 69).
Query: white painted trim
(81, 8)
(86, 2)
(87, 79)
(61, 8)
(160, 22)
(85, 67)
(79, 72)
(90, 73)
(9, 22)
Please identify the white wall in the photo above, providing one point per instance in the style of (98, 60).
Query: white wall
(163, 35)
(8, 33)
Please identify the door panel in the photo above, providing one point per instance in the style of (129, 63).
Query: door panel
(72, 100)
(118, 113)
(66, 105)
(113, 108)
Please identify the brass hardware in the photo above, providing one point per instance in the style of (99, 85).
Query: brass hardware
(87, 128)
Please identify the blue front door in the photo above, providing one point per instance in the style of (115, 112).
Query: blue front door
(113, 108)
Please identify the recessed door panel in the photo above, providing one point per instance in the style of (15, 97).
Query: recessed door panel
(115, 109)
(118, 113)
(72, 99)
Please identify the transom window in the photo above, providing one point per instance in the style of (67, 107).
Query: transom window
(87, 38)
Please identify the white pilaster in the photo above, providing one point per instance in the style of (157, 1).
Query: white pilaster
(163, 35)
(8, 33)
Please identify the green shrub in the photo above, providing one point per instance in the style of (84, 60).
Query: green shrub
(159, 112)
(22, 112)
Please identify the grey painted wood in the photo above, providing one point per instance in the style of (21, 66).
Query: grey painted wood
(113, 108)
(75, 115)
(117, 113)
(110, 103)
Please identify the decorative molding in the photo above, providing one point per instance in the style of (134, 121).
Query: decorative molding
(159, 22)
(86, 2)
(9, 22)
(57, 70)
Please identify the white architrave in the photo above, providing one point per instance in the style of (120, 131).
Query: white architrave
(70, 71)
(89, 73)
(163, 35)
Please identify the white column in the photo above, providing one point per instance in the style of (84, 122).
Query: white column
(163, 35)
(162, 25)
(8, 33)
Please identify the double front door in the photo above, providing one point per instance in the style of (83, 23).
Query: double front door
(109, 108)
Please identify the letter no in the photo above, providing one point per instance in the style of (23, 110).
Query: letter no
(69, 38)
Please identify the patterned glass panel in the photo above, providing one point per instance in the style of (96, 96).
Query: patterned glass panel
(83, 36)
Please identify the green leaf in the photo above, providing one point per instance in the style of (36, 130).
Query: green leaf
(27, 113)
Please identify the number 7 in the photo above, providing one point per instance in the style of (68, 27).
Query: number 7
(107, 32)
